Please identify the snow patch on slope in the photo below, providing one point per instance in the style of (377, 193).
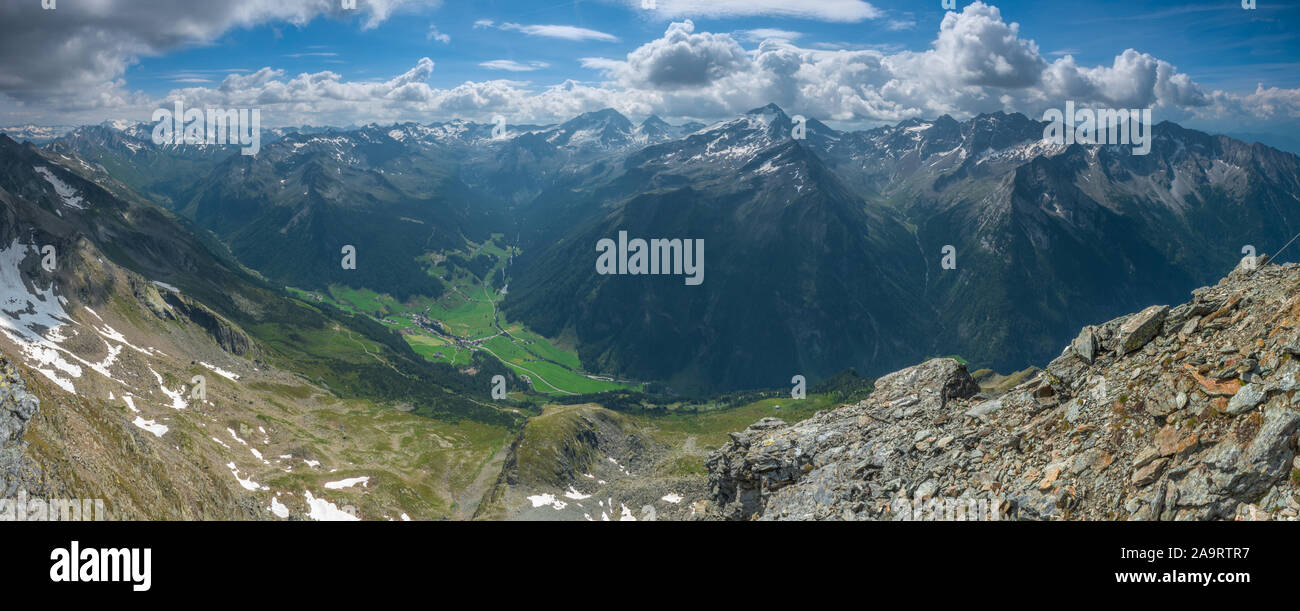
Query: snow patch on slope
(325, 511)
(279, 509)
(234, 377)
(66, 192)
(152, 427)
(32, 319)
(348, 483)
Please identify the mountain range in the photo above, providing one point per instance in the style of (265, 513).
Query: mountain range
(183, 316)
(823, 253)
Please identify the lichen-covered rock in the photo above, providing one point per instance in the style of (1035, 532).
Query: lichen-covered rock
(806, 471)
(1135, 332)
(1085, 345)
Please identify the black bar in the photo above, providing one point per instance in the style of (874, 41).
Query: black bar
(318, 561)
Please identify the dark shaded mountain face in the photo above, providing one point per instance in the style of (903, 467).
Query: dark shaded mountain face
(792, 261)
(164, 174)
(290, 210)
(820, 254)
(1049, 237)
(397, 194)
(826, 253)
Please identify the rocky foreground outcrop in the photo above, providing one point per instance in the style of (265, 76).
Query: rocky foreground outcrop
(1183, 413)
(17, 406)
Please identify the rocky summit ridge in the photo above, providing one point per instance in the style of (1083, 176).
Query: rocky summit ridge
(1172, 413)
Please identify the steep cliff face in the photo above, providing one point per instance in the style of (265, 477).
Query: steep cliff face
(227, 335)
(1179, 413)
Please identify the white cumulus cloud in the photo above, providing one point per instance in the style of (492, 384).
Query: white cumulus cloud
(977, 62)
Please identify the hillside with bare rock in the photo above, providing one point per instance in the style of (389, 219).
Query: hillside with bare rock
(1172, 413)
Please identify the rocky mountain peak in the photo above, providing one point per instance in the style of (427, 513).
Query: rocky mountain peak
(768, 109)
(603, 128)
(655, 129)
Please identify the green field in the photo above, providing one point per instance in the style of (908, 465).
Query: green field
(437, 349)
(710, 427)
(464, 319)
(547, 376)
(543, 347)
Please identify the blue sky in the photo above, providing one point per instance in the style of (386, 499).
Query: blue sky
(1218, 43)
(1199, 63)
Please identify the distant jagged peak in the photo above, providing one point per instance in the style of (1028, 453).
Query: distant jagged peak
(654, 121)
(120, 125)
(768, 109)
(604, 115)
